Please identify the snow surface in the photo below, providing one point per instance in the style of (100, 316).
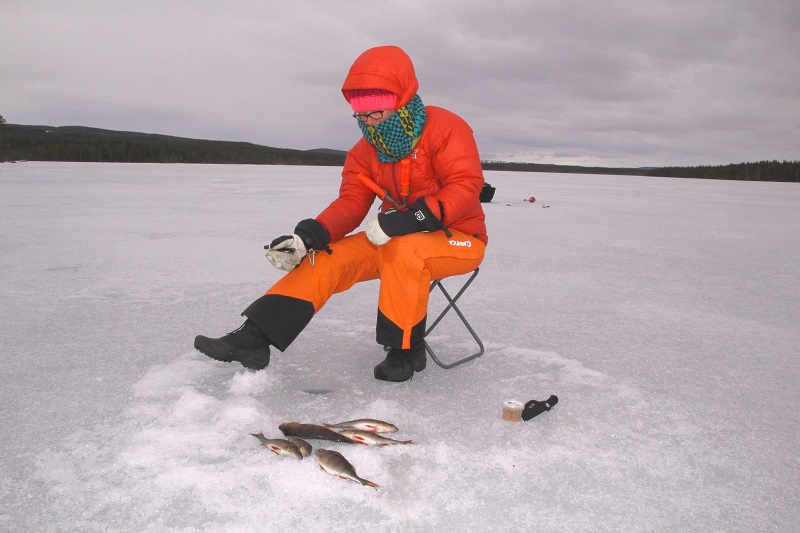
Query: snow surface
(664, 313)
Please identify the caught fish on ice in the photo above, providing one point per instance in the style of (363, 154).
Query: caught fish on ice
(371, 439)
(305, 447)
(335, 464)
(366, 424)
(312, 431)
(279, 446)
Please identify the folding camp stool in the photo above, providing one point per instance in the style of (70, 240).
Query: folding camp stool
(452, 305)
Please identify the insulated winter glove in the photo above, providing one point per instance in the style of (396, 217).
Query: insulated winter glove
(392, 223)
(286, 252)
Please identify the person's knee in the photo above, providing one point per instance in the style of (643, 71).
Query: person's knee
(401, 249)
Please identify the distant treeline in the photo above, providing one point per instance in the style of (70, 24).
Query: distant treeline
(760, 171)
(565, 169)
(80, 144)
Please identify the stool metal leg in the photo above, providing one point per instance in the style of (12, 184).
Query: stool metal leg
(452, 305)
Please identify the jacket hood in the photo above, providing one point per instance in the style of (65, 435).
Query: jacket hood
(383, 67)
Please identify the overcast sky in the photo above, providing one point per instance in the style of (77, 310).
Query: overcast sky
(590, 82)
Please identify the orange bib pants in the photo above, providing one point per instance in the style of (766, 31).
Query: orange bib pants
(405, 265)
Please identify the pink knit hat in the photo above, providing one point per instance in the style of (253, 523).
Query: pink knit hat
(371, 100)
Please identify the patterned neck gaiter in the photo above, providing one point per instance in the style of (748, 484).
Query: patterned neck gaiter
(394, 138)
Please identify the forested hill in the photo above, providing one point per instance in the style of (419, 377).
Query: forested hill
(81, 144)
(758, 171)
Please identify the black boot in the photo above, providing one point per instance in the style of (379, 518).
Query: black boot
(400, 365)
(247, 345)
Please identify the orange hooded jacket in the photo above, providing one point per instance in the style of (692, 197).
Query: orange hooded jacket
(445, 165)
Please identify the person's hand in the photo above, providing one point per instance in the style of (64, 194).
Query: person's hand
(375, 233)
(286, 252)
(392, 223)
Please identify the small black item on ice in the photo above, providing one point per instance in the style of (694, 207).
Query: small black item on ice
(487, 193)
(535, 408)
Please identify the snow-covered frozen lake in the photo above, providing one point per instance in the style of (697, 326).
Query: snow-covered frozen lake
(664, 313)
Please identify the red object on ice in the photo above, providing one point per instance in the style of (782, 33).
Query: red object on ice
(531, 199)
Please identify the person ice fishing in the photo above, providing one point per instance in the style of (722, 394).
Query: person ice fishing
(422, 161)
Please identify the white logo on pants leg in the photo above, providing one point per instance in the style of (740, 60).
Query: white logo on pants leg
(466, 244)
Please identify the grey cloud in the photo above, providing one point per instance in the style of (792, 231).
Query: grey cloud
(632, 83)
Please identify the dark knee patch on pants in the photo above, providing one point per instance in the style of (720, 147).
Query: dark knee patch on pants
(281, 318)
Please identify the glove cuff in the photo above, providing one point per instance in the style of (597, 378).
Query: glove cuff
(314, 234)
(375, 233)
(424, 216)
